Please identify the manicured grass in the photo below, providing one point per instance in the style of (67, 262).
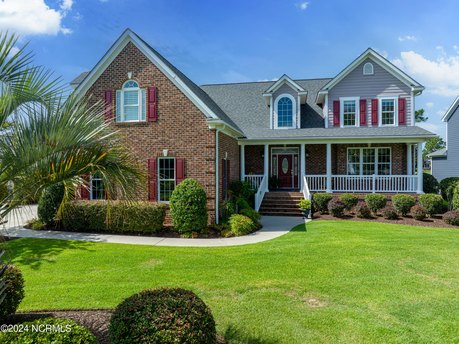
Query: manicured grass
(339, 281)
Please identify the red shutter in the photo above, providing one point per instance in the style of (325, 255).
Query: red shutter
(84, 188)
(108, 105)
(374, 112)
(152, 115)
(401, 111)
(363, 112)
(336, 115)
(152, 179)
(179, 170)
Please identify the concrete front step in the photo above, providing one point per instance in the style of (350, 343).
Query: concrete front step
(281, 203)
(297, 214)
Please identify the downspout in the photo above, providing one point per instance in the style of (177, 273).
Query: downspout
(217, 186)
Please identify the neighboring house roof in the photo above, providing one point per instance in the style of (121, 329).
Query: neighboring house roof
(438, 153)
(79, 79)
(451, 110)
(383, 62)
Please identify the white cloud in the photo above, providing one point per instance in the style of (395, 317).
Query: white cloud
(407, 38)
(439, 75)
(429, 105)
(303, 5)
(33, 17)
(435, 128)
(13, 51)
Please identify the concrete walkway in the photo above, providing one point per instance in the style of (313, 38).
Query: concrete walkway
(273, 227)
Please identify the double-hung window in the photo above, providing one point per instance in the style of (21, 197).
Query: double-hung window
(96, 187)
(349, 112)
(166, 178)
(369, 161)
(388, 111)
(130, 103)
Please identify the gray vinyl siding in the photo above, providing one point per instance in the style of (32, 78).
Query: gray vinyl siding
(285, 89)
(449, 167)
(380, 84)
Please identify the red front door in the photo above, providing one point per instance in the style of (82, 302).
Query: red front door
(285, 171)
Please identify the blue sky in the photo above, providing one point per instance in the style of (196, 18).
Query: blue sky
(230, 41)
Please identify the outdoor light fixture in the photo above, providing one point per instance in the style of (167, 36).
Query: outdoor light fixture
(129, 75)
(165, 152)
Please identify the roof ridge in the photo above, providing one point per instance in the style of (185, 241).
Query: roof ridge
(260, 82)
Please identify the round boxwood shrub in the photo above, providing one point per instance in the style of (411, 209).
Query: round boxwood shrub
(336, 207)
(241, 225)
(432, 203)
(447, 186)
(49, 203)
(362, 211)
(452, 217)
(349, 200)
(251, 214)
(188, 206)
(375, 202)
(320, 201)
(66, 331)
(389, 213)
(418, 212)
(403, 203)
(14, 292)
(430, 183)
(162, 316)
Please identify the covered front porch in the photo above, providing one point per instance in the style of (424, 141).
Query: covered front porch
(386, 167)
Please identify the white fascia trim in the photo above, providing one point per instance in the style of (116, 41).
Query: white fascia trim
(357, 111)
(117, 47)
(225, 128)
(284, 79)
(319, 140)
(451, 110)
(413, 121)
(325, 111)
(375, 57)
(294, 111)
(380, 99)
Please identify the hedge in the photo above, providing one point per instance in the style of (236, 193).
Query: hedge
(124, 217)
(375, 202)
(14, 291)
(49, 203)
(430, 183)
(447, 186)
(320, 201)
(432, 203)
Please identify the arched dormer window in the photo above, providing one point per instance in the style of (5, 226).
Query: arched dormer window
(368, 69)
(285, 112)
(130, 103)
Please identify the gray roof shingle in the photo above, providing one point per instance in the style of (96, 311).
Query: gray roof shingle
(79, 79)
(438, 153)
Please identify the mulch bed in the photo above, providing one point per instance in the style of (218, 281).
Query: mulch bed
(435, 221)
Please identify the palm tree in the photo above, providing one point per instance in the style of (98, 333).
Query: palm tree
(54, 138)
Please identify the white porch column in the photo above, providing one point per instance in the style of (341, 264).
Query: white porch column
(329, 172)
(409, 159)
(242, 163)
(266, 164)
(303, 164)
(420, 169)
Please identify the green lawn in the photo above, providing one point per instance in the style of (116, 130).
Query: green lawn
(339, 281)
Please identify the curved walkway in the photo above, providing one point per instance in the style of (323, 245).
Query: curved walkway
(273, 227)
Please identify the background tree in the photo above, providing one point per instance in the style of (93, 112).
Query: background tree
(433, 144)
(419, 116)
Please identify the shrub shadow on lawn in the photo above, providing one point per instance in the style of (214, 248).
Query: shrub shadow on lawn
(300, 228)
(232, 333)
(35, 252)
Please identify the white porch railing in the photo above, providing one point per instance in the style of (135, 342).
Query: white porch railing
(254, 180)
(261, 192)
(372, 183)
(306, 192)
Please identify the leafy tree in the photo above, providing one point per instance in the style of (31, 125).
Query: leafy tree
(433, 144)
(419, 116)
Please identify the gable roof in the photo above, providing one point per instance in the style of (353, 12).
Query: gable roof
(438, 153)
(383, 62)
(284, 79)
(451, 110)
(204, 103)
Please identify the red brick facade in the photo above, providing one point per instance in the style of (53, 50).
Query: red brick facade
(228, 148)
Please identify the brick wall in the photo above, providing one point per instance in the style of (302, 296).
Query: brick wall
(181, 127)
(253, 159)
(229, 147)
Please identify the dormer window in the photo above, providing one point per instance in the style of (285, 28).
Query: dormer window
(285, 112)
(130, 103)
(368, 69)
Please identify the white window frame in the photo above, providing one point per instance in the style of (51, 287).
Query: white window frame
(139, 101)
(91, 179)
(294, 111)
(357, 111)
(372, 68)
(376, 163)
(395, 99)
(159, 176)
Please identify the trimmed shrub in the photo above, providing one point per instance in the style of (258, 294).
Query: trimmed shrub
(14, 292)
(227, 209)
(320, 201)
(49, 203)
(336, 207)
(242, 204)
(135, 217)
(305, 204)
(403, 203)
(241, 225)
(349, 200)
(455, 200)
(162, 316)
(241, 189)
(188, 206)
(432, 203)
(251, 214)
(430, 184)
(447, 186)
(389, 213)
(452, 217)
(362, 211)
(375, 202)
(418, 212)
(69, 332)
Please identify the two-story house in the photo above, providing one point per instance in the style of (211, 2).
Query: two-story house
(351, 133)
